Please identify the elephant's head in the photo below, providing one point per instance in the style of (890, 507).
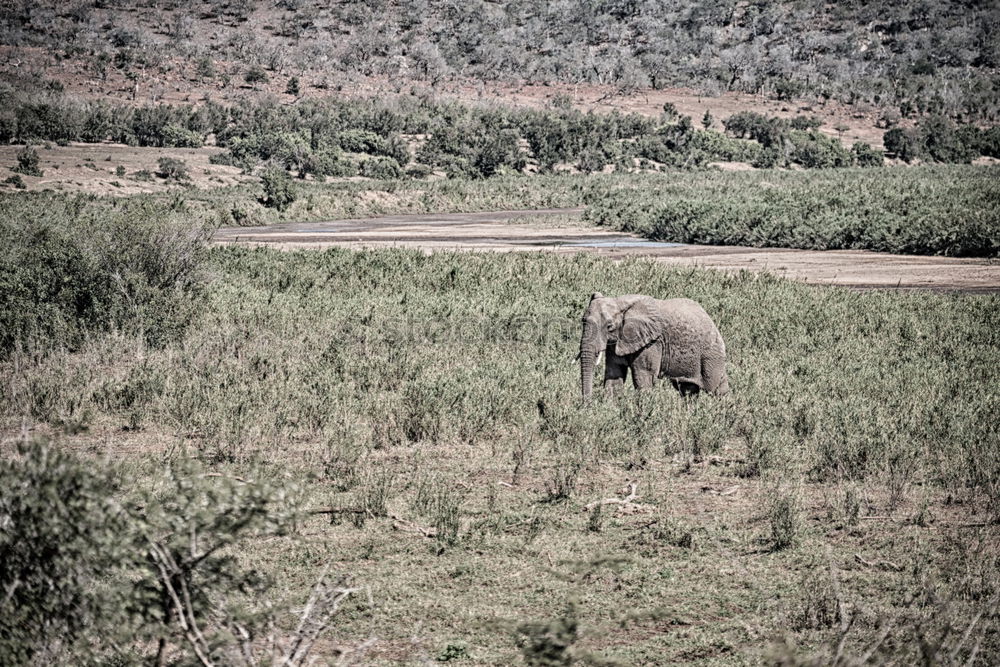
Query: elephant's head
(629, 323)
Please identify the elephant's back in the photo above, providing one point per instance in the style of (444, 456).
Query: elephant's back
(688, 314)
(694, 344)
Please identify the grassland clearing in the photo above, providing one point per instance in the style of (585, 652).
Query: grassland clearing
(437, 395)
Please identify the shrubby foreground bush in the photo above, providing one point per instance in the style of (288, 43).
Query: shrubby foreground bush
(79, 265)
(90, 576)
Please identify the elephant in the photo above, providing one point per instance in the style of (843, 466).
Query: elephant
(673, 338)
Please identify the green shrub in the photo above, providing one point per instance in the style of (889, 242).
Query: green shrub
(15, 181)
(85, 573)
(255, 75)
(591, 160)
(816, 150)
(419, 171)
(955, 214)
(866, 156)
(496, 152)
(941, 142)
(360, 141)
(79, 265)
(784, 519)
(720, 147)
(380, 168)
(279, 192)
(173, 169)
(327, 162)
(62, 539)
(770, 132)
(787, 89)
(805, 123)
(174, 136)
(27, 162)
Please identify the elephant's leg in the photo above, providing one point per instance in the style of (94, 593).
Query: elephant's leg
(615, 371)
(713, 370)
(646, 367)
(686, 388)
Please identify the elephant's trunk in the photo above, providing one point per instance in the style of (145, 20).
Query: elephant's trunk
(587, 360)
(589, 348)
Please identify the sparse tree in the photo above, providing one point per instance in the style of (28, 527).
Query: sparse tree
(27, 162)
(255, 75)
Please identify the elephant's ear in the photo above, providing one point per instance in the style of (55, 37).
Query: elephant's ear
(642, 323)
(596, 295)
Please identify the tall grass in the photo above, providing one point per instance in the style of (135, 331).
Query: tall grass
(399, 349)
(953, 210)
(79, 265)
(433, 400)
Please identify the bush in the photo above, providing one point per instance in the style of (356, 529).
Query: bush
(720, 147)
(419, 171)
(360, 141)
(785, 521)
(941, 142)
(78, 265)
(816, 150)
(173, 169)
(498, 151)
(61, 541)
(175, 136)
(27, 162)
(805, 123)
(15, 181)
(787, 89)
(955, 213)
(591, 160)
(769, 132)
(381, 168)
(327, 162)
(255, 75)
(279, 192)
(866, 156)
(902, 144)
(85, 574)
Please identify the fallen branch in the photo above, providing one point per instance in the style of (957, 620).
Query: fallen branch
(725, 492)
(722, 461)
(407, 526)
(884, 564)
(336, 510)
(224, 476)
(632, 495)
(626, 502)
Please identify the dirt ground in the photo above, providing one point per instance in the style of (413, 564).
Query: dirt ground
(529, 231)
(79, 167)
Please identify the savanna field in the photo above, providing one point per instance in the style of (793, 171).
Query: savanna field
(235, 423)
(220, 448)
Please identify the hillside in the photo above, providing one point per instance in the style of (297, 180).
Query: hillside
(903, 59)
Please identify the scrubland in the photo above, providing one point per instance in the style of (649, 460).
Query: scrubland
(235, 423)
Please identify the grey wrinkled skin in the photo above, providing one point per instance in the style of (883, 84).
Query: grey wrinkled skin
(653, 338)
